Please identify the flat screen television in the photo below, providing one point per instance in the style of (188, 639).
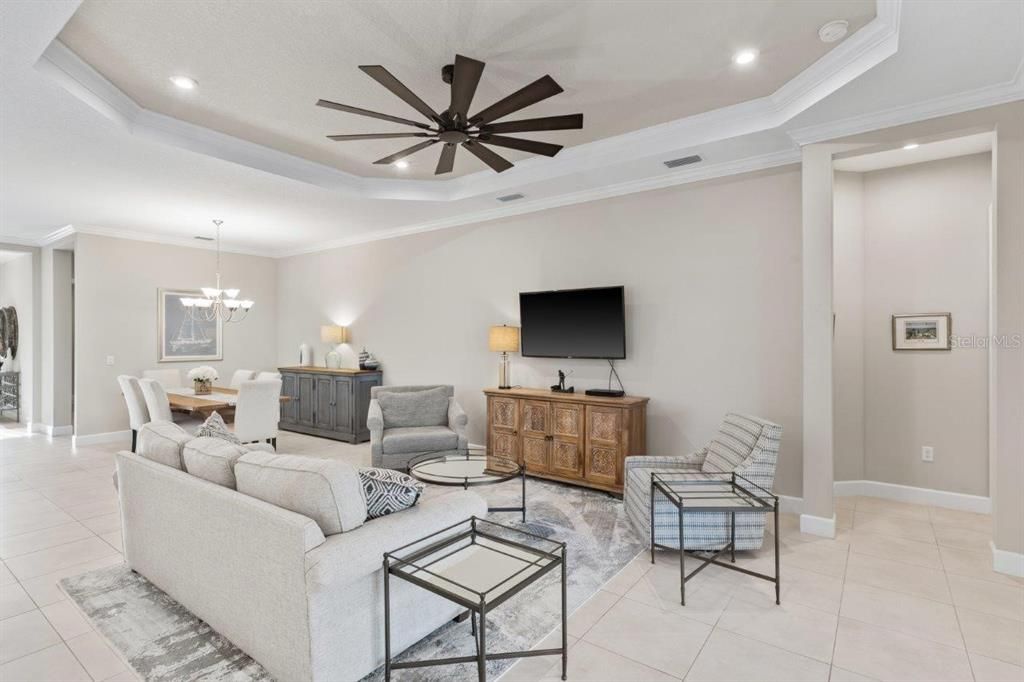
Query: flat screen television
(574, 323)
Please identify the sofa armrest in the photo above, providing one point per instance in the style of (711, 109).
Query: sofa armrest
(375, 418)
(457, 421)
(346, 557)
(693, 460)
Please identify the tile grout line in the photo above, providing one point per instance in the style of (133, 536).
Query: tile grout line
(956, 615)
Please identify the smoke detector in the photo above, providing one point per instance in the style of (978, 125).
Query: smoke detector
(834, 30)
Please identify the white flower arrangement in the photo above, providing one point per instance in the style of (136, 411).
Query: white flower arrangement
(203, 373)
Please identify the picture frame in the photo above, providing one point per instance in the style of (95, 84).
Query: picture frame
(182, 339)
(922, 331)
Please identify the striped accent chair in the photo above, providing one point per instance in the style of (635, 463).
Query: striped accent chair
(747, 445)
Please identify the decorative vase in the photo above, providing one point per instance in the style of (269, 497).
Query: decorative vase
(305, 355)
(363, 357)
(332, 360)
(371, 363)
(203, 386)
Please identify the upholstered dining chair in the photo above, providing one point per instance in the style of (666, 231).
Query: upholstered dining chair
(746, 445)
(239, 376)
(258, 411)
(168, 378)
(138, 413)
(264, 376)
(156, 400)
(407, 421)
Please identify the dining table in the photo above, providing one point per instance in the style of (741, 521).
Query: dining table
(220, 399)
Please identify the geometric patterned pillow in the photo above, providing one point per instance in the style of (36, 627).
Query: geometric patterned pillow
(214, 427)
(387, 491)
(732, 444)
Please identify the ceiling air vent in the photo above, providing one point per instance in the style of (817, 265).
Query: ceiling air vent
(684, 161)
(511, 197)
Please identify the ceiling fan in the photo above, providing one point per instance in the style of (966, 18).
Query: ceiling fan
(454, 126)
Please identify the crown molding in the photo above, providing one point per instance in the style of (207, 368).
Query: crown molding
(989, 96)
(680, 177)
(863, 50)
(185, 242)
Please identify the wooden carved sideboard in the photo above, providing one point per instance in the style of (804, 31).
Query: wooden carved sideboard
(567, 437)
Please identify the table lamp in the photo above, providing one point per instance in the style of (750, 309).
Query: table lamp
(504, 339)
(334, 335)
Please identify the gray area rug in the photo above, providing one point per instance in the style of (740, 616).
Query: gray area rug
(163, 641)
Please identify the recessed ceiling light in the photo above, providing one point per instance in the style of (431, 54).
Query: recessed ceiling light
(911, 145)
(402, 165)
(184, 82)
(744, 57)
(834, 30)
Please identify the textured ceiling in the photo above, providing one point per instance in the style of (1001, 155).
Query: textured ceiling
(262, 65)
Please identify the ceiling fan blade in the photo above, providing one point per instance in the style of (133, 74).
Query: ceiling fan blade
(374, 136)
(567, 122)
(327, 104)
(495, 161)
(447, 160)
(464, 82)
(406, 152)
(384, 77)
(531, 146)
(540, 89)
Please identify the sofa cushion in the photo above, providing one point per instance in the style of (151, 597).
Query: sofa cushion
(212, 459)
(387, 491)
(162, 442)
(214, 427)
(418, 439)
(326, 490)
(415, 408)
(732, 444)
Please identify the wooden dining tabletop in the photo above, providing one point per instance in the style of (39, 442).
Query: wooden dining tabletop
(205, 405)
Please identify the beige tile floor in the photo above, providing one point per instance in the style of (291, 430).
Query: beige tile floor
(904, 592)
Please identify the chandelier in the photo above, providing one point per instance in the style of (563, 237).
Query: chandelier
(217, 303)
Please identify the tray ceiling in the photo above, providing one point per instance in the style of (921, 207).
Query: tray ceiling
(625, 65)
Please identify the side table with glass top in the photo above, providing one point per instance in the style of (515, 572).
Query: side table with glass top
(479, 565)
(471, 467)
(726, 493)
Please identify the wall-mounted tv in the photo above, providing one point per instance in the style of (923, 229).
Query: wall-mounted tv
(574, 323)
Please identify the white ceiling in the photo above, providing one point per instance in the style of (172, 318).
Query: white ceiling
(68, 159)
(925, 151)
(625, 65)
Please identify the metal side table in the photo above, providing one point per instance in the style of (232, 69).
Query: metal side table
(479, 565)
(726, 493)
(471, 467)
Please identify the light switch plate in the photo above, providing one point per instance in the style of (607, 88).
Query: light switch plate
(927, 454)
(110, 360)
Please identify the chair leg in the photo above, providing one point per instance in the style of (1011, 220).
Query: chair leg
(135, 438)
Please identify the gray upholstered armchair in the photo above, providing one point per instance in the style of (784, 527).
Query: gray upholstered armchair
(406, 421)
(747, 445)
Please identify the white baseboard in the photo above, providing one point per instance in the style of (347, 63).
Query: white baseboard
(906, 493)
(818, 525)
(49, 430)
(96, 438)
(790, 505)
(1010, 563)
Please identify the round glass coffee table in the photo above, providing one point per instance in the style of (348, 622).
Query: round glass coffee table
(470, 467)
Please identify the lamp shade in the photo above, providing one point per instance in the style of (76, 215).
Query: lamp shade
(330, 333)
(504, 339)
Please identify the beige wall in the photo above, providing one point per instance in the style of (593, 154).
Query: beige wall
(923, 233)
(712, 277)
(56, 272)
(116, 314)
(848, 343)
(16, 289)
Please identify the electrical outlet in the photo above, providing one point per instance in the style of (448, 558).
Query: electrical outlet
(927, 454)
(110, 360)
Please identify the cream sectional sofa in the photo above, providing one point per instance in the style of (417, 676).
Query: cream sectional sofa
(306, 606)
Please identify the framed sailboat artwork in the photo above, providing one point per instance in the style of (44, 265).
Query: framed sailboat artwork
(183, 337)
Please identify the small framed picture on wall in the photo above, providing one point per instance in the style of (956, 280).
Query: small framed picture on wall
(186, 335)
(927, 331)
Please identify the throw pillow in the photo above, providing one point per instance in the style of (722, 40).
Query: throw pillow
(214, 427)
(414, 408)
(387, 491)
